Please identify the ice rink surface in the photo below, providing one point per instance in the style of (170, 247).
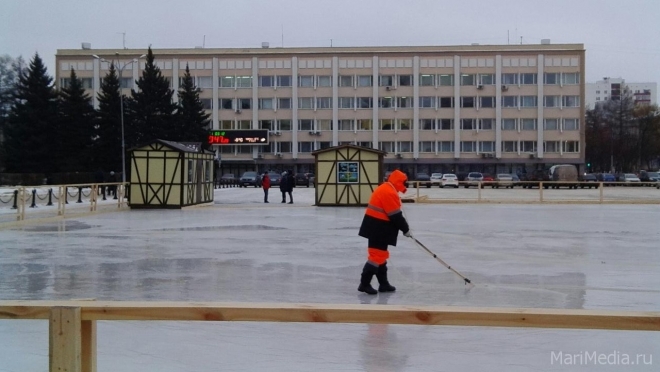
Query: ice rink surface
(240, 249)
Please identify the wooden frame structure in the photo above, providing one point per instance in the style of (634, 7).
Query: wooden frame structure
(167, 174)
(333, 191)
(72, 327)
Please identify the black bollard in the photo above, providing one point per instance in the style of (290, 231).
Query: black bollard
(34, 198)
(15, 199)
(66, 195)
(103, 192)
(79, 194)
(50, 197)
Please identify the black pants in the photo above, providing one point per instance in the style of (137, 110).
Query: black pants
(265, 195)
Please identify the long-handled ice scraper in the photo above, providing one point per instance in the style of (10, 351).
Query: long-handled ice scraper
(467, 281)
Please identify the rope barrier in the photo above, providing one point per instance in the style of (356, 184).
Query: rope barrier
(8, 200)
(71, 195)
(86, 195)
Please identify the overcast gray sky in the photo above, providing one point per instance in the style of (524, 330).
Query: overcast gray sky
(621, 37)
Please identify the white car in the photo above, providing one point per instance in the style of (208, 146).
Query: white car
(629, 179)
(435, 179)
(449, 180)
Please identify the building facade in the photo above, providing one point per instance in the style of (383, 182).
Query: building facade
(490, 108)
(614, 88)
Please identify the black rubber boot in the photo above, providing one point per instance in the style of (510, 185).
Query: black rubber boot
(381, 275)
(368, 273)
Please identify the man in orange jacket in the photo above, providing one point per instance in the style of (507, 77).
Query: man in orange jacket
(381, 224)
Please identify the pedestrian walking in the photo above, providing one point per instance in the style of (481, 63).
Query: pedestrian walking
(290, 184)
(382, 221)
(283, 186)
(265, 183)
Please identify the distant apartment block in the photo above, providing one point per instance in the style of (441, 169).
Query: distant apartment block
(613, 89)
(489, 108)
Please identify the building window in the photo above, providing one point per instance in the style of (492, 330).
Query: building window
(486, 79)
(203, 82)
(509, 146)
(265, 103)
(226, 104)
(571, 124)
(305, 124)
(510, 79)
(324, 124)
(486, 102)
(527, 79)
(266, 81)
(385, 102)
(404, 102)
(284, 103)
(285, 147)
(486, 146)
(528, 146)
(386, 124)
(486, 124)
(364, 102)
(551, 78)
(467, 102)
(552, 101)
(386, 146)
(550, 124)
(404, 124)
(365, 81)
(571, 146)
(386, 80)
(509, 124)
(266, 124)
(468, 124)
(324, 81)
(446, 146)
(427, 124)
(226, 124)
(571, 78)
(125, 83)
(445, 124)
(324, 102)
(427, 146)
(346, 103)
(245, 103)
(551, 146)
(364, 124)
(570, 101)
(404, 146)
(446, 80)
(244, 81)
(306, 103)
(427, 102)
(284, 124)
(345, 80)
(528, 101)
(305, 146)
(427, 80)
(226, 81)
(284, 81)
(206, 103)
(405, 80)
(345, 125)
(528, 124)
(446, 102)
(468, 146)
(306, 81)
(468, 79)
(244, 124)
(509, 101)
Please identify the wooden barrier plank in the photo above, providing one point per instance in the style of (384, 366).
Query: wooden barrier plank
(64, 351)
(338, 313)
(88, 347)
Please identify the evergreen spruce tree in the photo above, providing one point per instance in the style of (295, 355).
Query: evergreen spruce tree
(151, 110)
(76, 127)
(29, 144)
(192, 118)
(107, 143)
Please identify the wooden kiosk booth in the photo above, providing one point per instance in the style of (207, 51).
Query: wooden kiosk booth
(170, 175)
(347, 175)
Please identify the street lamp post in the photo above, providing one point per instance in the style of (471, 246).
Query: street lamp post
(121, 109)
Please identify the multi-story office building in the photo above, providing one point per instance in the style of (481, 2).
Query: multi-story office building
(489, 108)
(614, 88)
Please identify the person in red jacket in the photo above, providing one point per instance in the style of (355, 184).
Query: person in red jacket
(265, 183)
(382, 221)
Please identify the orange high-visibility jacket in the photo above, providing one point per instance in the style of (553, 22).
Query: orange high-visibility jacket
(383, 217)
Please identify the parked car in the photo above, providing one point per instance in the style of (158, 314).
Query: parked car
(503, 180)
(630, 179)
(516, 180)
(473, 179)
(422, 179)
(566, 175)
(646, 176)
(387, 175)
(228, 177)
(488, 180)
(588, 180)
(435, 179)
(534, 179)
(304, 179)
(250, 179)
(275, 179)
(607, 179)
(449, 180)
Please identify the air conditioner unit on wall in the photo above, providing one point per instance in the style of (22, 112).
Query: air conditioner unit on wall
(532, 156)
(389, 87)
(480, 86)
(238, 111)
(399, 156)
(278, 154)
(260, 156)
(504, 88)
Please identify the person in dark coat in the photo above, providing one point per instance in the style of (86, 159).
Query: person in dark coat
(283, 186)
(290, 184)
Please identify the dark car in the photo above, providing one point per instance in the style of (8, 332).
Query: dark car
(646, 176)
(608, 179)
(535, 177)
(250, 179)
(304, 179)
(423, 179)
(588, 180)
(275, 179)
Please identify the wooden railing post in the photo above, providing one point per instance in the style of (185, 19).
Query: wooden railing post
(88, 349)
(64, 347)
